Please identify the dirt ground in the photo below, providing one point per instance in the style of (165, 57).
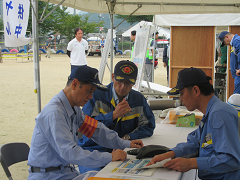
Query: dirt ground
(18, 102)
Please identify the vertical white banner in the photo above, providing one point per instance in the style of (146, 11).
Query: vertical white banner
(15, 17)
(139, 53)
(105, 54)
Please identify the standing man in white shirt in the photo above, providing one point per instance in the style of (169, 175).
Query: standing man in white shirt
(77, 49)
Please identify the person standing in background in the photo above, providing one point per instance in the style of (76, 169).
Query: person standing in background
(132, 37)
(48, 47)
(102, 42)
(166, 55)
(228, 38)
(77, 49)
(148, 74)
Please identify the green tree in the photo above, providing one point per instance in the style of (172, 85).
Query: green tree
(132, 19)
(68, 24)
(1, 26)
(48, 24)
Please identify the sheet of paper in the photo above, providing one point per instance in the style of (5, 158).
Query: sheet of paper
(157, 164)
(134, 178)
(131, 167)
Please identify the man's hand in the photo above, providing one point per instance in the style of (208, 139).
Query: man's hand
(164, 64)
(136, 144)
(118, 155)
(161, 157)
(238, 72)
(121, 109)
(181, 164)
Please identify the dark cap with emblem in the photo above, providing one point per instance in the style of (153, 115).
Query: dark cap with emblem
(188, 77)
(221, 37)
(88, 74)
(126, 70)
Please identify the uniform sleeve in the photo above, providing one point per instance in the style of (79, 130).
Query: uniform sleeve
(233, 64)
(146, 123)
(62, 141)
(92, 110)
(57, 132)
(189, 148)
(109, 138)
(69, 47)
(225, 147)
(86, 46)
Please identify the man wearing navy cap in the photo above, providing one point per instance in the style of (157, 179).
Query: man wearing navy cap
(213, 148)
(54, 150)
(228, 38)
(121, 109)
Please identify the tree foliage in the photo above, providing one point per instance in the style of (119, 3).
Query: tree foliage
(132, 19)
(61, 21)
(68, 24)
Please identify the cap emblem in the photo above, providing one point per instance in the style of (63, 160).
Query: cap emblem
(127, 69)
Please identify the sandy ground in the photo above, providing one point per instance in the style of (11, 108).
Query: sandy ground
(18, 102)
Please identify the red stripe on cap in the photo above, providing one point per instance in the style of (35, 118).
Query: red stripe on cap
(88, 127)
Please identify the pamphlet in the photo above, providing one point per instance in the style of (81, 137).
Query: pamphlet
(137, 167)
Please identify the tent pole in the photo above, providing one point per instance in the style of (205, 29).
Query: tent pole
(36, 53)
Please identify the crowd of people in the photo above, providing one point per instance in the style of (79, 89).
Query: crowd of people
(115, 117)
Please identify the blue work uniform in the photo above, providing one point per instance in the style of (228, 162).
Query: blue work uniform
(55, 138)
(215, 142)
(235, 61)
(138, 123)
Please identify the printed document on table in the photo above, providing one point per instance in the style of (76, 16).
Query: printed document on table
(134, 178)
(157, 164)
(131, 167)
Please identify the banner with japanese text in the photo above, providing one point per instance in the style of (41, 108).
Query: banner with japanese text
(15, 18)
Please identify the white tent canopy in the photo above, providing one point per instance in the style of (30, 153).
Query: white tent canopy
(151, 7)
(161, 31)
(197, 19)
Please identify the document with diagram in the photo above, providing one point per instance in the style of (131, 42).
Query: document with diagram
(136, 167)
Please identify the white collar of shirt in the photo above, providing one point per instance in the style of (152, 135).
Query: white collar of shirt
(231, 41)
(115, 97)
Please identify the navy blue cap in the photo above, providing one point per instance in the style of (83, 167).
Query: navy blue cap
(126, 70)
(88, 74)
(187, 77)
(221, 37)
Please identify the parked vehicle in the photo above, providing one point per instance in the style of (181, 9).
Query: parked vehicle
(94, 46)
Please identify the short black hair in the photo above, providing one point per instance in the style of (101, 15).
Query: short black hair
(70, 80)
(77, 29)
(155, 33)
(133, 33)
(206, 88)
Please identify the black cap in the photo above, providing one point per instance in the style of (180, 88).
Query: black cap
(187, 77)
(88, 74)
(126, 70)
(221, 37)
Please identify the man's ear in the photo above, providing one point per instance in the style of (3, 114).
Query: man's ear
(196, 90)
(112, 76)
(74, 84)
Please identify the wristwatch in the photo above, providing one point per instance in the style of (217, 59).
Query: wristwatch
(126, 137)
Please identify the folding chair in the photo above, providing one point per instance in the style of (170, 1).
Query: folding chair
(12, 153)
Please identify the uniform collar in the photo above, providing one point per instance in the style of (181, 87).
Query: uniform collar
(232, 40)
(209, 106)
(66, 104)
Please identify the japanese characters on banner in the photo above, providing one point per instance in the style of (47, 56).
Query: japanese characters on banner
(15, 17)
